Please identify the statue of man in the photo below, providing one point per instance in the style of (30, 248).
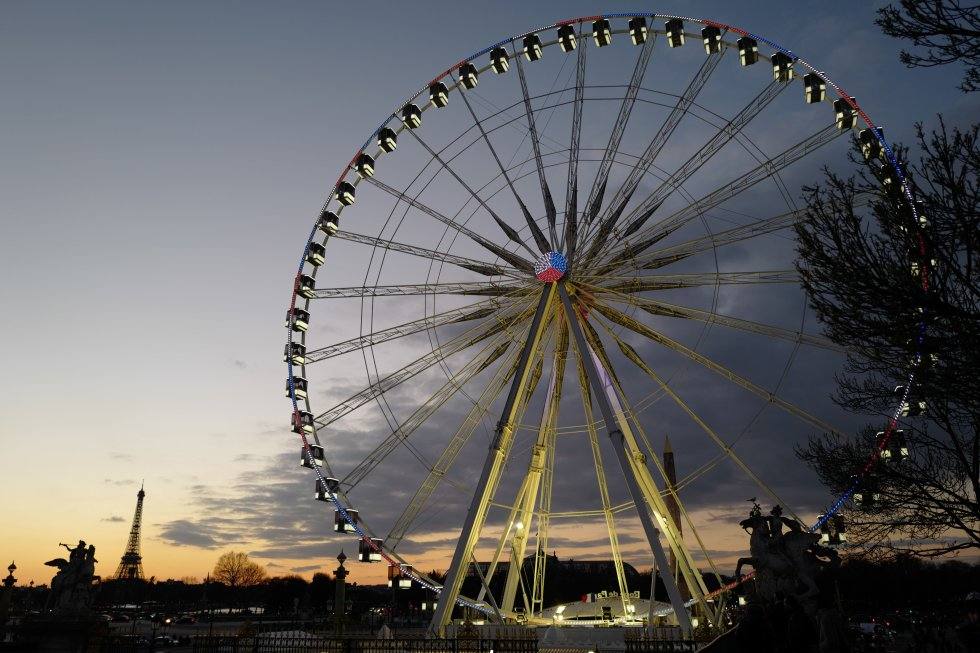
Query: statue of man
(775, 520)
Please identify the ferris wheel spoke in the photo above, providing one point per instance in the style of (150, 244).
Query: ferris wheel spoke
(549, 202)
(490, 354)
(512, 258)
(731, 130)
(619, 127)
(632, 257)
(605, 228)
(453, 346)
(448, 457)
(664, 309)
(668, 127)
(727, 450)
(536, 232)
(658, 282)
(471, 288)
(476, 311)
(620, 318)
(473, 265)
(516, 261)
(571, 190)
(654, 233)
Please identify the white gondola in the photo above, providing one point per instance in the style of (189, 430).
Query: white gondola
(915, 406)
(499, 61)
(320, 492)
(345, 193)
(299, 385)
(889, 179)
(316, 254)
(387, 139)
(566, 38)
(845, 114)
(897, 448)
(364, 165)
(782, 67)
(814, 88)
(638, 30)
(398, 576)
(870, 145)
(920, 210)
(532, 47)
(866, 495)
(295, 352)
(341, 524)
(323, 491)
(315, 454)
(748, 50)
(711, 37)
(412, 116)
(369, 550)
(601, 33)
(833, 531)
(329, 222)
(468, 76)
(297, 319)
(438, 95)
(675, 32)
(306, 287)
(303, 422)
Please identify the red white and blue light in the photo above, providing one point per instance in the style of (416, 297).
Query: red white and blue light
(550, 267)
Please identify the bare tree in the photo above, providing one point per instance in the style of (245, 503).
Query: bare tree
(236, 570)
(862, 258)
(946, 31)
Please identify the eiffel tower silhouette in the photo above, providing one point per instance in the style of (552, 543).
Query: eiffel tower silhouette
(131, 564)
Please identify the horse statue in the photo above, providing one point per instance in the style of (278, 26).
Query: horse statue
(786, 563)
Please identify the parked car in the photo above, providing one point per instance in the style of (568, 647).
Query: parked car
(165, 640)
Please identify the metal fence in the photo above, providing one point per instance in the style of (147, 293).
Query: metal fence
(663, 639)
(306, 643)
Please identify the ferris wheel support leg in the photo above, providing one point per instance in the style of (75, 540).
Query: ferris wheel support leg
(619, 445)
(530, 489)
(492, 468)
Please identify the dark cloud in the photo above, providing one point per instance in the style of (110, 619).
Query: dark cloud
(197, 534)
(240, 364)
(305, 568)
(120, 482)
(113, 518)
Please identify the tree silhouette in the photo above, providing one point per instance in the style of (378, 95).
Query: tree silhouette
(948, 32)
(861, 262)
(236, 570)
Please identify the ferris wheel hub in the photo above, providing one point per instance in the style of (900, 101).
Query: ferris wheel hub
(550, 267)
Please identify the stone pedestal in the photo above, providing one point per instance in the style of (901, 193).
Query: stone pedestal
(62, 633)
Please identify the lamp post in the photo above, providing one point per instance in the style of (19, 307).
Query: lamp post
(8, 584)
(340, 590)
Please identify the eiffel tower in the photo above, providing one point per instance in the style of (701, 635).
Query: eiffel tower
(131, 565)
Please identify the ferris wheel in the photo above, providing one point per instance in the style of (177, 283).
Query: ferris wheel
(566, 243)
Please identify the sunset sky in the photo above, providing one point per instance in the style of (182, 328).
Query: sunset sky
(162, 165)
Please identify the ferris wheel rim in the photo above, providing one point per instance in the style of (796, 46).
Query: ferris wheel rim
(889, 153)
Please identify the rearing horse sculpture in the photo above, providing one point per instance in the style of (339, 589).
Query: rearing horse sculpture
(785, 561)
